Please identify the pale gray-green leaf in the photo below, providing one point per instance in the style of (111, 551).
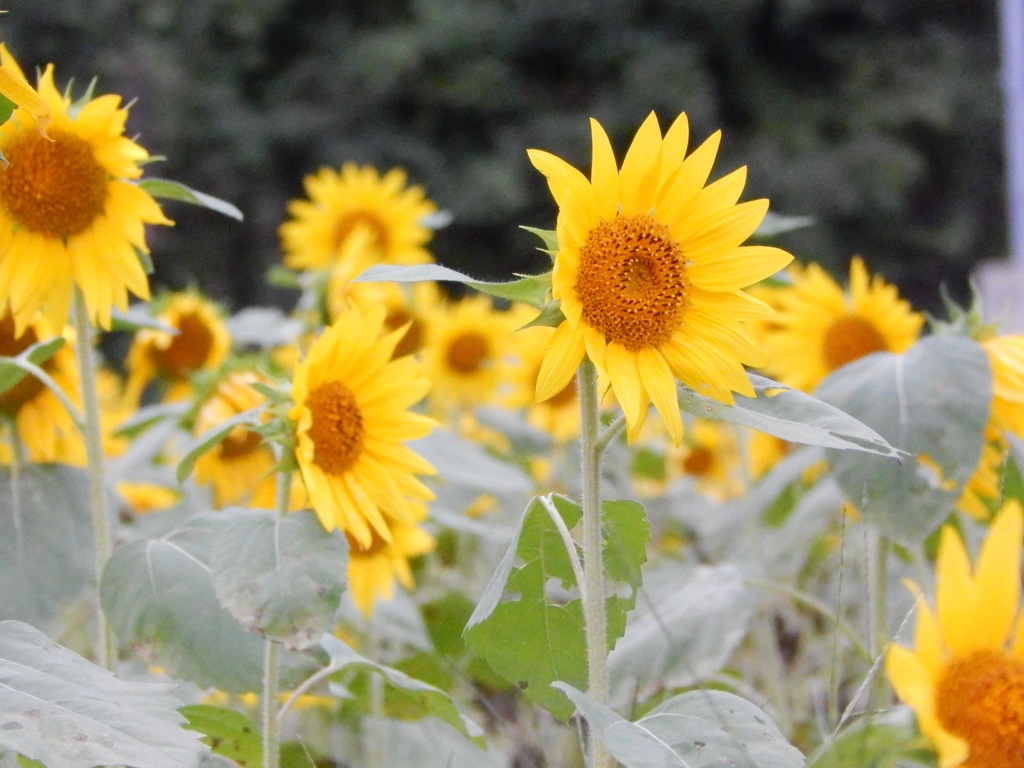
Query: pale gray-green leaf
(158, 596)
(263, 327)
(465, 463)
(281, 577)
(14, 369)
(212, 437)
(66, 712)
(530, 289)
(932, 401)
(174, 190)
(45, 536)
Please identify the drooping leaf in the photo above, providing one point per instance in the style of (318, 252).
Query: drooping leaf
(791, 415)
(697, 729)
(404, 696)
(13, 369)
(281, 577)
(66, 712)
(211, 437)
(158, 595)
(174, 190)
(45, 525)
(530, 289)
(528, 625)
(227, 732)
(932, 401)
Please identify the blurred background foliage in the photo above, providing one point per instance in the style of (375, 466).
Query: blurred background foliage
(880, 118)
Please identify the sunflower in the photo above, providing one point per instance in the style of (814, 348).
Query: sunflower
(820, 327)
(649, 272)
(964, 677)
(559, 415)
(1006, 357)
(199, 342)
(357, 211)
(43, 425)
(351, 409)
(16, 89)
(374, 569)
(70, 212)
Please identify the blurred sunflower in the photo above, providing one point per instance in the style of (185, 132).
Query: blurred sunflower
(43, 426)
(357, 212)
(964, 677)
(649, 273)
(559, 415)
(820, 327)
(709, 455)
(1006, 356)
(200, 343)
(70, 214)
(982, 490)
(351, 409)
(374, 569)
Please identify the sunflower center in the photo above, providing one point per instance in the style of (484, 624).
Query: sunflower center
(25, 390)
(239, 442)
(337, 430)
(632, 281)
(413, 339)
(467, 353)
(348, 224)
(850, 338)
(699, 462)
(981, 699)
(188, 350)
(53, 188)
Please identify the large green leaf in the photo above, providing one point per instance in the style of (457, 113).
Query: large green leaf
(932, 401)
(697, 729)
(791, 415)
(465, 463)
(228, 733)
(281, 577)
(158, 595)
(531, 289)
(528, 625)
(45, 532)
(887, 740)
(66, 712)
(404, 696)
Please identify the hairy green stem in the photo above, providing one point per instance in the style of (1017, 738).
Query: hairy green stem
(271, 651)
(878, 575)
(93, 437)
(595, 621)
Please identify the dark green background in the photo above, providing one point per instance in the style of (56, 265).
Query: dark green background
(882, 118)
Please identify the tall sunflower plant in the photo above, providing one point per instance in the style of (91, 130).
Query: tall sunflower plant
(660, 524)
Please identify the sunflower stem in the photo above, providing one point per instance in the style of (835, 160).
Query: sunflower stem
(878, 574)
(93, 436)
(594, 619)
(271, 651)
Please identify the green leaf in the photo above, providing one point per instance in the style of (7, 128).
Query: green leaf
(932, 400)
(150, 415)
(774, 224)
(44, 519)
(528, 625)
(136, 318)
(697, 729)
(281, 577)
(212, 437)
(532, 289)
(173, 190)
(13, 369)
(548, 236)
(227, 732)
(404, 695)
(67, 712)
(889, 740)
(791, 415)
(158, 596)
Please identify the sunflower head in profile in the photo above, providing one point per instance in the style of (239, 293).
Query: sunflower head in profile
(373, 570)
(351, 409)
(964, 677)
(820, 327)
(199, 342)
(650, 272)
(357, 213)
(71, 213)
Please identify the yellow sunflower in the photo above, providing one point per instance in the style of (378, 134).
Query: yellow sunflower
(351, 409)
(357, 211)
(559, 415)
(983, 488)
(964, 677)
(70, 212)
(43, 425)
(820, 327)
(1006, 356)
(649, 272)
(374, 569)
(201, 343)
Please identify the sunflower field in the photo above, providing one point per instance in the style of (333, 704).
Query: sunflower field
(676, 500)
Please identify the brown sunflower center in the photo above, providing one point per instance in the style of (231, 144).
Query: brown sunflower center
(377, 230)
(54, 188)
(467, 353)
(240, 442)
(632, 281)
(413, 339)
(850, 338)
(337, 430)
(188, 351)
(25, 390)
(980, 698)
(699, 462)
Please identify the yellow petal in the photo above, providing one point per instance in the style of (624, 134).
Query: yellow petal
(622, 370)
(661, 386)
(997, 578)
(604, 174)
(565, 352)
(737, 268)
(641, 169)
(954, 594)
